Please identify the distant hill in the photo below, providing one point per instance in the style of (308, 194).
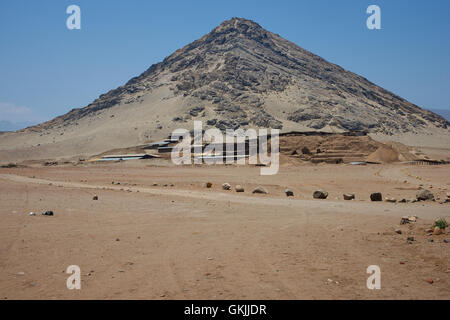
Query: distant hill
(442, 112)
(13, 126)
(237, 76)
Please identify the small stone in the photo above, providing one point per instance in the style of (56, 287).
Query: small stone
(95, 197)
(391, 200)
(32, 214)
(430, 281)
(260, 190)
(239, 188)
(447, 240)
(376, 196)
(117, 239)
(226, 186)
(320, 194)
(398, 231)
(207, 185)
(424, 195)
(289, 192)
(349, 196)
(404, 220)
(410, 239)
(437, 231)
(403, 200)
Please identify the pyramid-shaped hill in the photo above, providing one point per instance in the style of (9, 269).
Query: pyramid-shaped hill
(237, 76)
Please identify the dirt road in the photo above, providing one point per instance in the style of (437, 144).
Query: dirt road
(140, 241)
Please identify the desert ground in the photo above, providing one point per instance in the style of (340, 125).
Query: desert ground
(156, 233)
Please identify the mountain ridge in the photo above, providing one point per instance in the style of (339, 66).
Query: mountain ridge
(239, 75)
(231, 36)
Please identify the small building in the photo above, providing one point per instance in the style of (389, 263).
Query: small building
(124, 157)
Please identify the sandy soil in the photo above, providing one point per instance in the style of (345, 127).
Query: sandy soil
(140, 241)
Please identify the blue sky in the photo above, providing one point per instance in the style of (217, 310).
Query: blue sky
(46, 69)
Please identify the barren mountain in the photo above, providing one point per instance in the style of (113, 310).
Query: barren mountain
(237, 76)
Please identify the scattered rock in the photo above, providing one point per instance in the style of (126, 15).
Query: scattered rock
(289, 192)
(408, 219)
(320, 194)
(399, 231)
(260, 190)
(410, 239)
(207, 185)
(95, 197)
(403, 200)
(349, 196)
(239, 188)
(376, 196)
(47, 213)
(226, 186)
(424, 195)
(392, 200)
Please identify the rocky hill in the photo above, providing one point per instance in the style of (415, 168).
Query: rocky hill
(237, 76)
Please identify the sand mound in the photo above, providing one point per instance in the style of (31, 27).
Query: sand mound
(384, 154)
